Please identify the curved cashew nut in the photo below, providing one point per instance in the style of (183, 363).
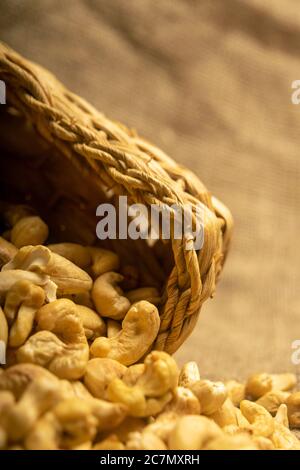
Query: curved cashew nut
(184, 402)
(261, 422)
(293, 405)
(68, 277)
(150, 294)
(93, 324)
(9, 277)
(189, 374)
(103, 261)
(21, 304)
(225, 415)
(153, 389)
(282, 437)
(99, 373)
(211, 395)
(139, 330)
(260, 384)
(40, 395)
(108, 298)
(30, 230)
(193, 432)
(7, 251)
(74, 252)
(271, 401)
(17, 378)
(61, 346)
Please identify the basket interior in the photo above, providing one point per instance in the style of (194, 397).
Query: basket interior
(66, 196)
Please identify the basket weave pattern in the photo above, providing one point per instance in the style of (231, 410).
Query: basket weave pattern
(117, 159)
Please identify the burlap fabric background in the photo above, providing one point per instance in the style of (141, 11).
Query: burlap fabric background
(210, 82)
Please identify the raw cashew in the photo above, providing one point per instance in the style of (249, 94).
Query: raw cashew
(103, 261)
(282, 437)
(261, 421)
(236, 391)
(93, 324)
(61, 346)
(7, 251)
(68, 277)
(153, 388)
(271, 401)
(225, 415)
(40, 395)
(193, 432)
(9, 277)
(293, 406)
(30, 230)
(108, 298)
(17, 378)
(189, 374)
(150, 294)
(139, 330)
(211, 395)
(260, 384)
(184, 402)
(99, 373)
(21, 304)
(74, 252)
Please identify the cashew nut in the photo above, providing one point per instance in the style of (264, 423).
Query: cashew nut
(260, 384)
(236, 391)
(193, 432)
(103, 261)
(93, 325)
(108, 298)
(30, 230)
(189, 374)
(184, 402)
(282, 437)
(74, 252)
(211, 395)
(225, 415)
(7, 251)
(9, 277)
(61, 346)
(99, 373)
(261, 422)
(139, 330)
(271, 401)
(293, 406)
(150, 294)
(68, 277)
(21, 304)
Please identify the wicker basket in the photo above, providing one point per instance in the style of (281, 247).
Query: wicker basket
(63, 157)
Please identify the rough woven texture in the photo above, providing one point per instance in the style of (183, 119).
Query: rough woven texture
(209, 82)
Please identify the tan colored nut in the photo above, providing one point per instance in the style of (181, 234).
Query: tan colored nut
(211, 395)
(282, 415)
(150, 294)
(193, 433)
(61, 346)
(225, 415)
(108, 297)
(103, 261)
(40, 395)
(261, 421)
(9, 277)
(99, 373)
(133, 373)
(94, 326)
(236, 442)
(69, 424)
(7, 251)
(260, 384)
(74, 252)
(271, 401)
(21, 304)
(113, 328)
(236, 391)
(112, 442)
(3, 331)
(184, 402)
(139, 330)
(17, 378)
(189, 374)
(30, 230)
(242, 422)
(263, 443)
(282, 437)
(153, 388)
(144, 441)
(68, 277)
(293, 406)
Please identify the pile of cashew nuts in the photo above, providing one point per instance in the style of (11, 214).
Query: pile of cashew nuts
(78, 332)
